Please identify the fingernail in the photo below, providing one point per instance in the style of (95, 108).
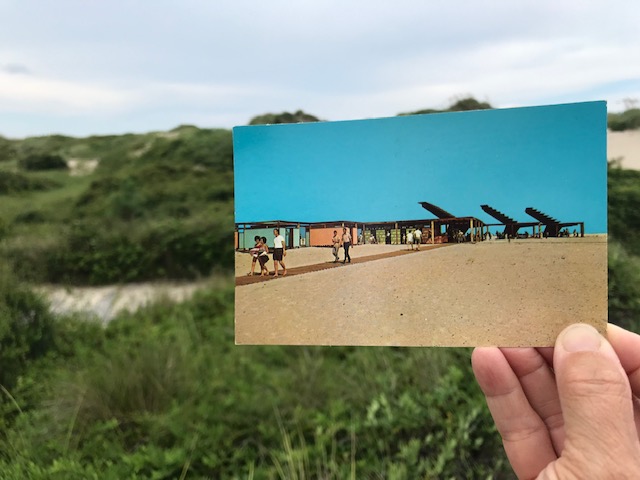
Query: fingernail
(581, 338)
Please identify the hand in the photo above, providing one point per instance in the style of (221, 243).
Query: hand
(577, 419)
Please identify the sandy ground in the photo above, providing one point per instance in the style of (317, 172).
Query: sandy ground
(299, 257)
(625, 145)
(105, 303)
(491, 293)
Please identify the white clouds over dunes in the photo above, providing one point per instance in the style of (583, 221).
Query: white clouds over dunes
(141, 67)
(19, 93)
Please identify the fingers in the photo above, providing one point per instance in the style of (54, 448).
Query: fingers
(627, 347)
(524, 435)
(596, 398)
(539, 386)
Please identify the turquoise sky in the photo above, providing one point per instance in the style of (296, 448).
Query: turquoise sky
(552, 158)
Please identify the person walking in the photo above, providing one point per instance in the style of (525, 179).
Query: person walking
(346, 243)
(336, 245)
(410, 239)
(255, 251)
(279, 252)
(263, 258)
(417, 238)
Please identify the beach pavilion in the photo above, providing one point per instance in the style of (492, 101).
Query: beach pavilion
(455, 228)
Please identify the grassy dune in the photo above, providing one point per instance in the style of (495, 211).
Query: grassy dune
(164, 392)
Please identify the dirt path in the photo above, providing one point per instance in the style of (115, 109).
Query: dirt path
(247, 280)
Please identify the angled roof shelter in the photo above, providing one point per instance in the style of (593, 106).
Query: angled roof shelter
(552, 225)
(511, 226)
(436, 210)
(454, 225)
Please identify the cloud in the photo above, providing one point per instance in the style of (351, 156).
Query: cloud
(15, 69)
(35, 94)
(225, 61)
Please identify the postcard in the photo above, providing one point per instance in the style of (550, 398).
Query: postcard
(486, 227)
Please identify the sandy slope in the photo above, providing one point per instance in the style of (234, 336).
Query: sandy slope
(106, 302)
(518, 293)
(625, 145)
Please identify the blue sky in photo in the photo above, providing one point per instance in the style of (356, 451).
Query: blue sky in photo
(552, 158)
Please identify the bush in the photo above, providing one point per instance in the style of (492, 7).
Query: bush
(624, 287)
(8, 149)
(284, 117)
(26, 328)
(164, 393)
(11, 183)
(42, 161)
(623, 207)
(90, 252)
(30, 216)
(628, 120)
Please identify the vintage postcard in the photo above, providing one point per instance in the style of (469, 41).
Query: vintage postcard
(453, 229)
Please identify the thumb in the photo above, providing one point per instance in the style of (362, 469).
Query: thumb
(595, 395)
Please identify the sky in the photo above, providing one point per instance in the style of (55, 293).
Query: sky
(82, 67)
(551, 158)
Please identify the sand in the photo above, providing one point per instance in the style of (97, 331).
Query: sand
(104, 303)
(625, 145)
(490, 293)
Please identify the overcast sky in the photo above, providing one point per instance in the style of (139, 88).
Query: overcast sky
(81, 67)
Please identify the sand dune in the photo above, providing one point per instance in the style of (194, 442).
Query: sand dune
(625, 145)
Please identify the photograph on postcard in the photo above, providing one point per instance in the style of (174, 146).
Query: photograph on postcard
(486, 227)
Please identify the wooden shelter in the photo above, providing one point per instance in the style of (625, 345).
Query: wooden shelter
(553, 227)
(511, 226)
(450, 228)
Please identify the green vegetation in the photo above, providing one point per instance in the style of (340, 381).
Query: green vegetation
(164, 392)
(284, 117)
(42, 161)
(462, 105)
(627, 120)
(157, 206)
(11, 182)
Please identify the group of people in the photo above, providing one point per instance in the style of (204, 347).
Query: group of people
(343, 241)
(260, 254)
(414, 237)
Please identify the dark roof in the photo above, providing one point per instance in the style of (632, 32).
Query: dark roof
(436, 210)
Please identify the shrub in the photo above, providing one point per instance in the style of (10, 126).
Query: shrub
(30, 216)
(26, 328)
(11, 183)
(7, 149)
(284, 117)
(42, 161)
(628, 120)
(624, 287)
(623, 207)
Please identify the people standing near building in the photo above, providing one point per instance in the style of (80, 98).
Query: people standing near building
(336, 245)
(279, 252)
(410, 239)
(263, 258)
(417, 238)
(346, 243)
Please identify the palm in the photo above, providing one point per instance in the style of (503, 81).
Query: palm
(525, 401)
